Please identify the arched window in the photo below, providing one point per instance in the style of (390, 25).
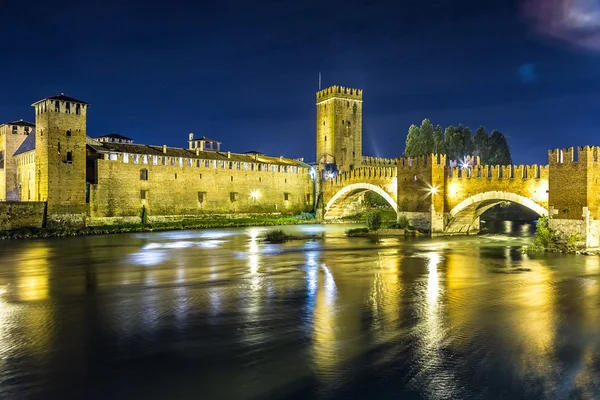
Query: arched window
(77, 109)
(69, 158)
(68, 108)
(57, 106)
(143, 174)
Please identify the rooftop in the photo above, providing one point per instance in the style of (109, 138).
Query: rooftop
(205, 139)
(62, 97)
(204, 155)
(27, 145)
(20, 123)
(114, 136)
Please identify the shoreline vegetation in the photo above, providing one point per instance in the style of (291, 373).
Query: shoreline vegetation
(546, 240)
(279, 236)
(207, 223)
(377, 227)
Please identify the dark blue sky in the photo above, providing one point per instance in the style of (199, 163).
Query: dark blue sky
(245, 72)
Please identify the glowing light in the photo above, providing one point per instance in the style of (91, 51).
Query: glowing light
(433, 190)
(254, 195)
(453, 189)
(331, 175)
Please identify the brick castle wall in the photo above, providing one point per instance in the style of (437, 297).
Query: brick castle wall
(186, 189)
(15, 215)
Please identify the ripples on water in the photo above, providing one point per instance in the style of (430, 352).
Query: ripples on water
(219, 314)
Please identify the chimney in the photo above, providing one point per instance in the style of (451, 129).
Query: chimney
(164, 148)
(228, 154)
(190, 139)
(280, 158)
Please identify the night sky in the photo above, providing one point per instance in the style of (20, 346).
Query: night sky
(246, 72)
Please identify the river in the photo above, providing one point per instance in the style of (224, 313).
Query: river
(217, 314)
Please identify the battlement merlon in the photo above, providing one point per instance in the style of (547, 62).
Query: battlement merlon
(339, 92)
(583, 154)
(422, 161)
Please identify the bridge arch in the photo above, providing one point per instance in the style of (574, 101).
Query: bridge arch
(351, 190)
(462, 216)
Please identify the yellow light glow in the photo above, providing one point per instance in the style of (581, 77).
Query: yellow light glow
(453, 189)
(433, 190)
(254, 195)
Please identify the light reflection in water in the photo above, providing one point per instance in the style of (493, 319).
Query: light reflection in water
(384, 297)
(430, 313)
(321, 299)
(431, 337)
(149, 258)
(32, 267)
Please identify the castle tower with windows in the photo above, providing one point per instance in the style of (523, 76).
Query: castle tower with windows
(339, 128)
(60, 156)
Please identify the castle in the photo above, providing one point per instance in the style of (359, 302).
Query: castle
(52, 173)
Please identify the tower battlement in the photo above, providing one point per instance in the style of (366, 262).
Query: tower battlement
(572, 155)
(339, 92)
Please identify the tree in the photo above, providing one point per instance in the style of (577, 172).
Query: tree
(375, 200)
(452, 143)
(427, 137)
(499, 153)
(481, 145)
(466, 142)
(414, 142)
(438, 140)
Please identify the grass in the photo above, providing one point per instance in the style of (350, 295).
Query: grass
(26, 233)
(357, 232)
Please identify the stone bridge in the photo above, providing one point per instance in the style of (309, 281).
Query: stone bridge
(450, 200)
(340, 191)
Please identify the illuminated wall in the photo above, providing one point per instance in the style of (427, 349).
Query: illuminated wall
(189, 187)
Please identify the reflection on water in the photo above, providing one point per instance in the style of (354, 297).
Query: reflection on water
(220, 314)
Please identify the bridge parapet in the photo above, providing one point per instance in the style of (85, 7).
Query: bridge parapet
(378, 161)
(362, 174)
(499, 172)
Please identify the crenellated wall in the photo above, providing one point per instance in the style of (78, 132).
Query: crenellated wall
(188, 187)
(439, 198)
(378, 162)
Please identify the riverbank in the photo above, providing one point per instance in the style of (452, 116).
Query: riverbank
(40, 233)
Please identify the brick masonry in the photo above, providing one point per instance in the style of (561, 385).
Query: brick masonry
(15, 215)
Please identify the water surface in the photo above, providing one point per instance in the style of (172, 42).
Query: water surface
(217, 314)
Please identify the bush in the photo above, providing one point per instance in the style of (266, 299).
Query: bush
(305, 216)
(356, 232)
(544, 238)
(276, 236)
(374, 220)
(403, 222)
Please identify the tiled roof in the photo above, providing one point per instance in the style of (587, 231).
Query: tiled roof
(20, 123)
(114, 136)
(204, 155)
(62, 97)
(27, 145)
(206, 139)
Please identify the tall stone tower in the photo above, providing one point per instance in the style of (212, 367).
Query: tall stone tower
(339, 127)
(60, 157)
